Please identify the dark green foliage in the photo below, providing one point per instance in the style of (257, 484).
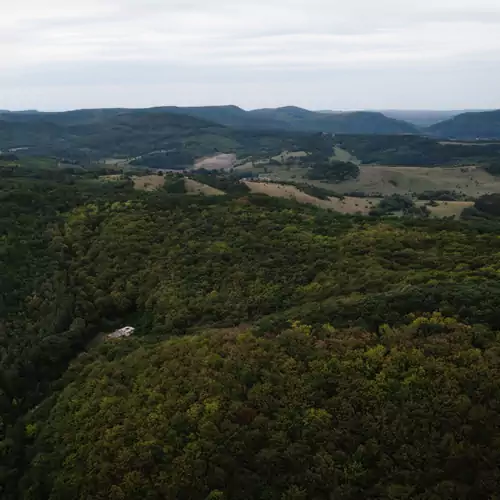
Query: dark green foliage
(293, 118)
(173, 160)
(493, 168)
(412, 150)
(360, 122)
(441, 195)
(323, 414)
(333, 171)
(393, 204)
(228, 183)
(95, 134)
(8, 157)
(483, 125)
(346, 408)
(174, 184)
(317, 192)
(489, 204)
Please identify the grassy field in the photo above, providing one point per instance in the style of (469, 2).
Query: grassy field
(347, 205)
(343, 155)
(148, 182)
(217, 162)
(471, 181)
(447, 208)
(111, 177)
(195, 187)
(286, 155)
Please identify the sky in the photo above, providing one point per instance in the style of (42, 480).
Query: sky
(318, 54)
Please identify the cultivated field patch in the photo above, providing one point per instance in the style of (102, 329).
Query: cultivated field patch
(447, 208)
(346, 205)
(217, 162)
(195, 187)
(148, 182)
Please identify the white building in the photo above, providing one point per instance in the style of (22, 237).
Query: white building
(127, 331)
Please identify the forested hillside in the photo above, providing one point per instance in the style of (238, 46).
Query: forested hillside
(414, 150)
(473, 125)
(90, 135)
(280, 351)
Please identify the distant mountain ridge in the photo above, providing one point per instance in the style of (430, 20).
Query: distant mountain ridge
(101, 133)
(469, 126)
(284, 118)
(300, 120)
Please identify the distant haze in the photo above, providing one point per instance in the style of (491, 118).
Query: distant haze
(317, 54)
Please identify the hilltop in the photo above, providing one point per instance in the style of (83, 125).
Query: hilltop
(89, 135)
(469, 126)
(97, 133)
(299, 119)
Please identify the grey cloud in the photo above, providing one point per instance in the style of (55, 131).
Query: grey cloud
(227, 49)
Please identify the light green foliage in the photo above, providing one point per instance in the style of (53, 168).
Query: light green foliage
(290, 417)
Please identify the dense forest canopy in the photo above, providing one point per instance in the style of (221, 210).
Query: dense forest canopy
(472, 125)
(414, 150)
(280, 351)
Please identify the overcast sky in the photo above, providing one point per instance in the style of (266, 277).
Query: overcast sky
(319, 54)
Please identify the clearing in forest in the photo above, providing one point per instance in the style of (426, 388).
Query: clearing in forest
(111, 177)
(447, 208)
(195, 187)
(148, 182)
(471, 181)
(346, 205)
(217, 162)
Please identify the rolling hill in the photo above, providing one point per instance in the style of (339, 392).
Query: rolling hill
(298, 119)
(96, 134)
(359, 122)
(421, 118)
(466, 126)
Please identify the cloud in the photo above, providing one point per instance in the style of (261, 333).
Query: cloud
(152, 42)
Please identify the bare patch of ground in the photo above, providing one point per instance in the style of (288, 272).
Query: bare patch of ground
(217, 162)
(195, 187)
(347, 205)
(111, 178)
(115, 162)
(148, 182)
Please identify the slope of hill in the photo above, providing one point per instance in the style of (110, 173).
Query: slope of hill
(421, 118)
(269, 336)
(96, 134)
(359, 122)
(413, 150)
(287, 118)
(478, 125)
(299, 119)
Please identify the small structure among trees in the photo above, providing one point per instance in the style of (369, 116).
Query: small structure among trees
(126, 331)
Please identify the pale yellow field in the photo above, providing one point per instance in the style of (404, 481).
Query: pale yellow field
(447, 208)
(111, 178)
(148, 182)
(348, 205)
(217, 162)
(195, 187)
(472, 181)
(285, 155)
